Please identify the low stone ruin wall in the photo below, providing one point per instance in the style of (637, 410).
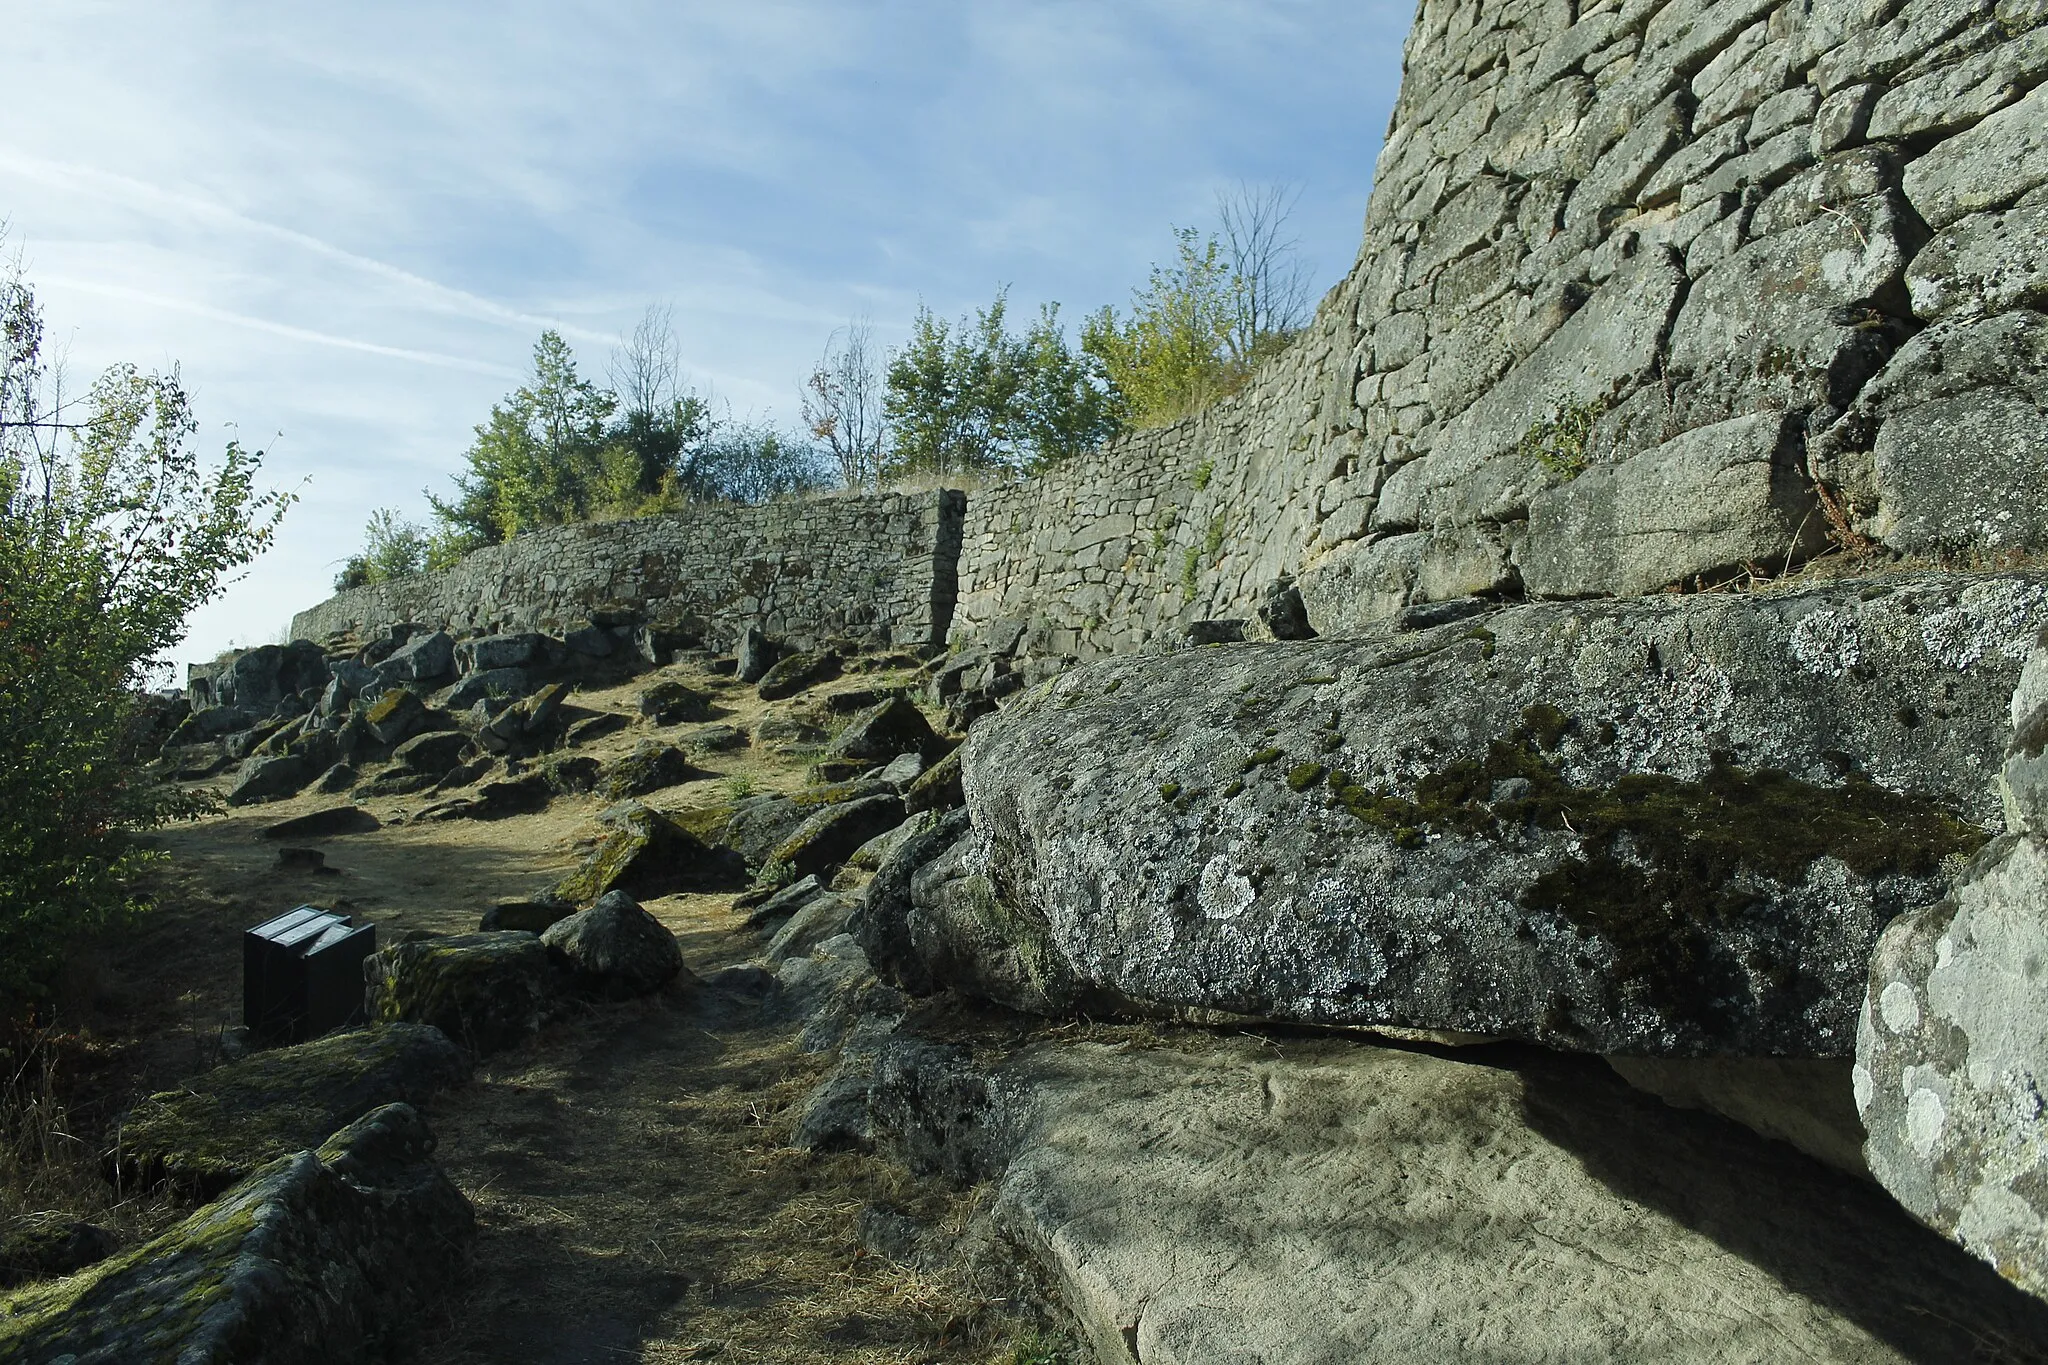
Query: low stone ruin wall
(878, 569)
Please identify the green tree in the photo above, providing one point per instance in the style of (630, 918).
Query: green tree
(538, 459)
(394, 546)
(1172, 357)
(973, 397)
(112, 529)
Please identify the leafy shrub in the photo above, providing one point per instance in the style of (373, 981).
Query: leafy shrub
(112, 529)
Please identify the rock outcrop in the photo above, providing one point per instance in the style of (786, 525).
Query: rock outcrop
(1952, 1049)
(1672, 826)
(329, 1254)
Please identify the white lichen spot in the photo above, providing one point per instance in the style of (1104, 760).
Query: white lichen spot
(1224, 892)
(1865, 1088)
(1988, 618)
(1900, 1008)
(1925, 1115)
(1827, 642)
(1944, 950)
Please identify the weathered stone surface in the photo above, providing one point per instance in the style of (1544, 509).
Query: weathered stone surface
(1795, 320)
(615, 948)
(487, 992)
(1952, 1062)
(1807, 1104)
(886, 922)
(673, 703)
(421, 659)
(496, 684)
(885, 730)
(1361, 584)
(937, 788)
(330, 1254)
(265, 778)
(753, 656)
(1329, 1203)
(821, 917)
(1705, 502)
(527, 917)
(221, 1125)
(649, 767)
(1474, 472)
(829, 837)
(435, 752)
(395, 716)
(1953, 430)
(489, 653)
(648, 856)
(1989, 167)
(262, 677)
(1984, 263)
(795, 672)
(324, 824)
(1670, 826)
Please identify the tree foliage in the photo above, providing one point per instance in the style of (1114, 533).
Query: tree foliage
(974, 398)
(112, 529)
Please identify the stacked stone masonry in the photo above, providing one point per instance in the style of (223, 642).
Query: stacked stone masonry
(1636, 279)
(880, 570)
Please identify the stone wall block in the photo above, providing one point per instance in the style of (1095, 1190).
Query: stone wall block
(1988, 167)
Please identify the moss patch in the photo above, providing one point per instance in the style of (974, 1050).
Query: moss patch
(1663, 861)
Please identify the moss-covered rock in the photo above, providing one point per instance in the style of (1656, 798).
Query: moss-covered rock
(885, 730)
(796, 673)
(938, 788)
(615, 948)
(649, 855)
(486, 992)
(321, 1256)
(1667, 827)
(829, 837)
(649, 767)
(672, 703)
(394, 716)
(219, 1126)
(39, 1246)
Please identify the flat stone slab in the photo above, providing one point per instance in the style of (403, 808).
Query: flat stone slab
(1328, 1203)
(1668, 826)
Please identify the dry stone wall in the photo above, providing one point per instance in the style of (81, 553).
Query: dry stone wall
(878, 569)
(1650, 294)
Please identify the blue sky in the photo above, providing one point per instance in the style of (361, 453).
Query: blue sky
(348, 223)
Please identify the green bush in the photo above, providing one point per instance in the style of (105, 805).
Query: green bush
(112, 529)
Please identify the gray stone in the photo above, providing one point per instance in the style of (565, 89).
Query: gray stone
(901, 771)
(1323, 1203)
(1984, 263)
(1952, 430)
(772, 913)
(265, 778)
(44, 1245)
(324, 824)
(1473, 472)
(1464, 561)
(497, 683)
(829, 837)
(1953, 97)
(1702, 504)
(330, 1254)
(1361, 584)
(435, 752)
(527, 917)
(796, 672)
(489, 653)
(938, 788)
(615, 948)
(1614, 180)
(673, 703)
(1332, 833)
(262, 677)
(886, 923)
(819, 918)
(1952, 1062)
(755, 654)
(1795, 320)
(394, 716)
(1282, 613)
(487, 992)
(651, 766)
(1810, 1105)
(422, 659)
(1986, 168)
(885, 730)
(592, 642)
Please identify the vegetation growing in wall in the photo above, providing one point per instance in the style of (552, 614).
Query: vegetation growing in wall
(1562, 442)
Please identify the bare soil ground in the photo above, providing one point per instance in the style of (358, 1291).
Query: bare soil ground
(635, 1191)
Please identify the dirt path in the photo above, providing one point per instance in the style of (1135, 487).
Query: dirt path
(635, 1193)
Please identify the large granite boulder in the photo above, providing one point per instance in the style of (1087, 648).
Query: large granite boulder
(267, 777)
(1669, 826)
(329, 1254)
(829, 837)
(615, 948)
(262, 677)
(887, 729)
(218, 1127)
(1952, 1049)
(487, 992)
(648, 855)
(796, 672)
